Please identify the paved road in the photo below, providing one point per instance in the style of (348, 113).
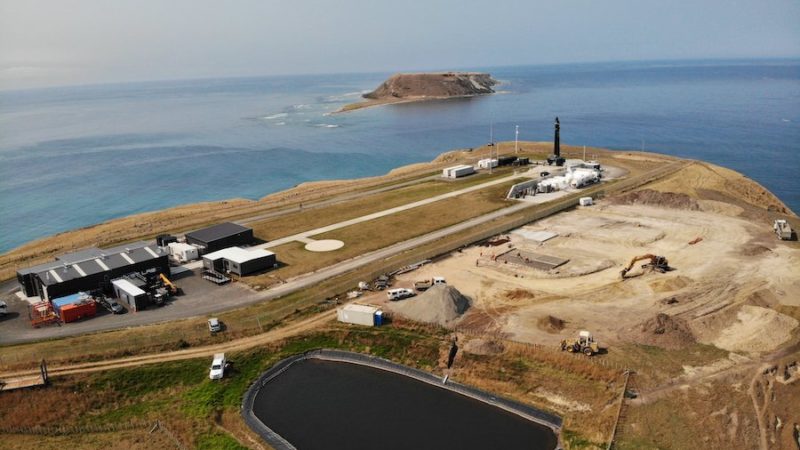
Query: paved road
(305, 236)
(304, 281)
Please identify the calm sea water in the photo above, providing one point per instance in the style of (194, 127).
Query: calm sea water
(71, 157)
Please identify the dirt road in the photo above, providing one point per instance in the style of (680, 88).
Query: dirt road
(293, 329)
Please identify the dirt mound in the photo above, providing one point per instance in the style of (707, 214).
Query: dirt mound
(448, 84)
(663, 331)
(669, 284)
(442, 305)
(756, 329)
(656, 198)
(518, 294)
(484, 347)
(551, 324)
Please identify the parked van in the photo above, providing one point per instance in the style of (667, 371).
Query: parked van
(217, 367)
(399, 294)
(439, 280)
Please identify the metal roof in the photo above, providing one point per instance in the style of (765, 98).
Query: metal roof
(93, 260)
(128, 287)
(355, 307)
(218, 231)
(238, 255)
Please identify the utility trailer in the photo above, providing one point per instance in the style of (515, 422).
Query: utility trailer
(782, 229)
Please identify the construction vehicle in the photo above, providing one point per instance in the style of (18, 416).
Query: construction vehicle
(657, 263)
(584, 344)
(782, 229)
(427, 284)
(173, 290)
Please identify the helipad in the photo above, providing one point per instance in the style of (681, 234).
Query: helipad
(325, 245)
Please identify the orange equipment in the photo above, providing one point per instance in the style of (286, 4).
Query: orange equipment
(657, 263)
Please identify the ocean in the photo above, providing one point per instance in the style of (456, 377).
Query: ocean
(76, 156)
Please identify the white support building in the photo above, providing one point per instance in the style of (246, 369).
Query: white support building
(458, 171)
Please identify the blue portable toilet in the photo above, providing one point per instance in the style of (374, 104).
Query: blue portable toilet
(378, 318)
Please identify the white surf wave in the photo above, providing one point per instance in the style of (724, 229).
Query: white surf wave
(275, 116)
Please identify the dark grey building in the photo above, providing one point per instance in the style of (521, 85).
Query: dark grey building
(91, 269)
(220, 236)
(239, 261)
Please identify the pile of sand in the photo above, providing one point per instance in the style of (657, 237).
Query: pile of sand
(551, 324)
(484, 347)
(756, 329)
(663, 331)
(656, 198)
(442, 305)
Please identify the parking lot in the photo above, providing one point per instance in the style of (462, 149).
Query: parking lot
(199, 297)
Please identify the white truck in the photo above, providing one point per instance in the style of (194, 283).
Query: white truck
(782, 229)
(399, 294)
(217, 367)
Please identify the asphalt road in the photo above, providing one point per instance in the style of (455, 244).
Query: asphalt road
(233, 296)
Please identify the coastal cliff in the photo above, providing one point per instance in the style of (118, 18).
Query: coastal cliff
(409, 87)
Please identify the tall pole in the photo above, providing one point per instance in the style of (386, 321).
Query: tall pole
(516, 139)
(584, 153)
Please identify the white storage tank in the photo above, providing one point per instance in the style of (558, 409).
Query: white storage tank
(360, 315)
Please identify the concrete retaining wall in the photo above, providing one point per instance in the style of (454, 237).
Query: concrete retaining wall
(275, 440)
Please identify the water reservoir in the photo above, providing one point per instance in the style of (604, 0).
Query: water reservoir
(315, 403)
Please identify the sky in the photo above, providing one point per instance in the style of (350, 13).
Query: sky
(66, 42)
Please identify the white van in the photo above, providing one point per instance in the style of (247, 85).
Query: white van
(439, 280)
(399, 294)
(217, 367)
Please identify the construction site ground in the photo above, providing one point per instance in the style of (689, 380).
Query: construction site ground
(713, 343)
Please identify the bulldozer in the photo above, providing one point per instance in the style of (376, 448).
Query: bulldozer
(657, 263)
(584, 344)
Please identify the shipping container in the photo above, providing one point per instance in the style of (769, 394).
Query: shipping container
(77, 311)
(359, 314)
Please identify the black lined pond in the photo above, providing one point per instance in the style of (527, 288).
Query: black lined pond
(317, 404)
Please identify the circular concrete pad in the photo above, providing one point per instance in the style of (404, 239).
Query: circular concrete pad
(325, 245)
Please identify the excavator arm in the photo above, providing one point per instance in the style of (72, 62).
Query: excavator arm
(657, 262)
(172, 288)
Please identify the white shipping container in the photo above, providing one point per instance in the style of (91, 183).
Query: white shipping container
(585, 201)
(357, 314)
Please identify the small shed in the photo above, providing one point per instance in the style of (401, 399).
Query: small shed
(360, 315)
(239, 260)
(131, 294)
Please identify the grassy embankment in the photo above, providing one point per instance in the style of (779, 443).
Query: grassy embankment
(252, 319)
(205, 414)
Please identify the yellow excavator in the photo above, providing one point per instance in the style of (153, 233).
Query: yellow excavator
(657, 263)
(173, 290)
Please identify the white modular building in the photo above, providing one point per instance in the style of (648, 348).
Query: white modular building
(487, 163)
(182, 252)
(360, 315)
(458, 171)
(239, 261)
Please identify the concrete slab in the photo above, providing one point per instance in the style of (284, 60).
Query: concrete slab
(530, 259)
(538, 236)
(324, 245)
